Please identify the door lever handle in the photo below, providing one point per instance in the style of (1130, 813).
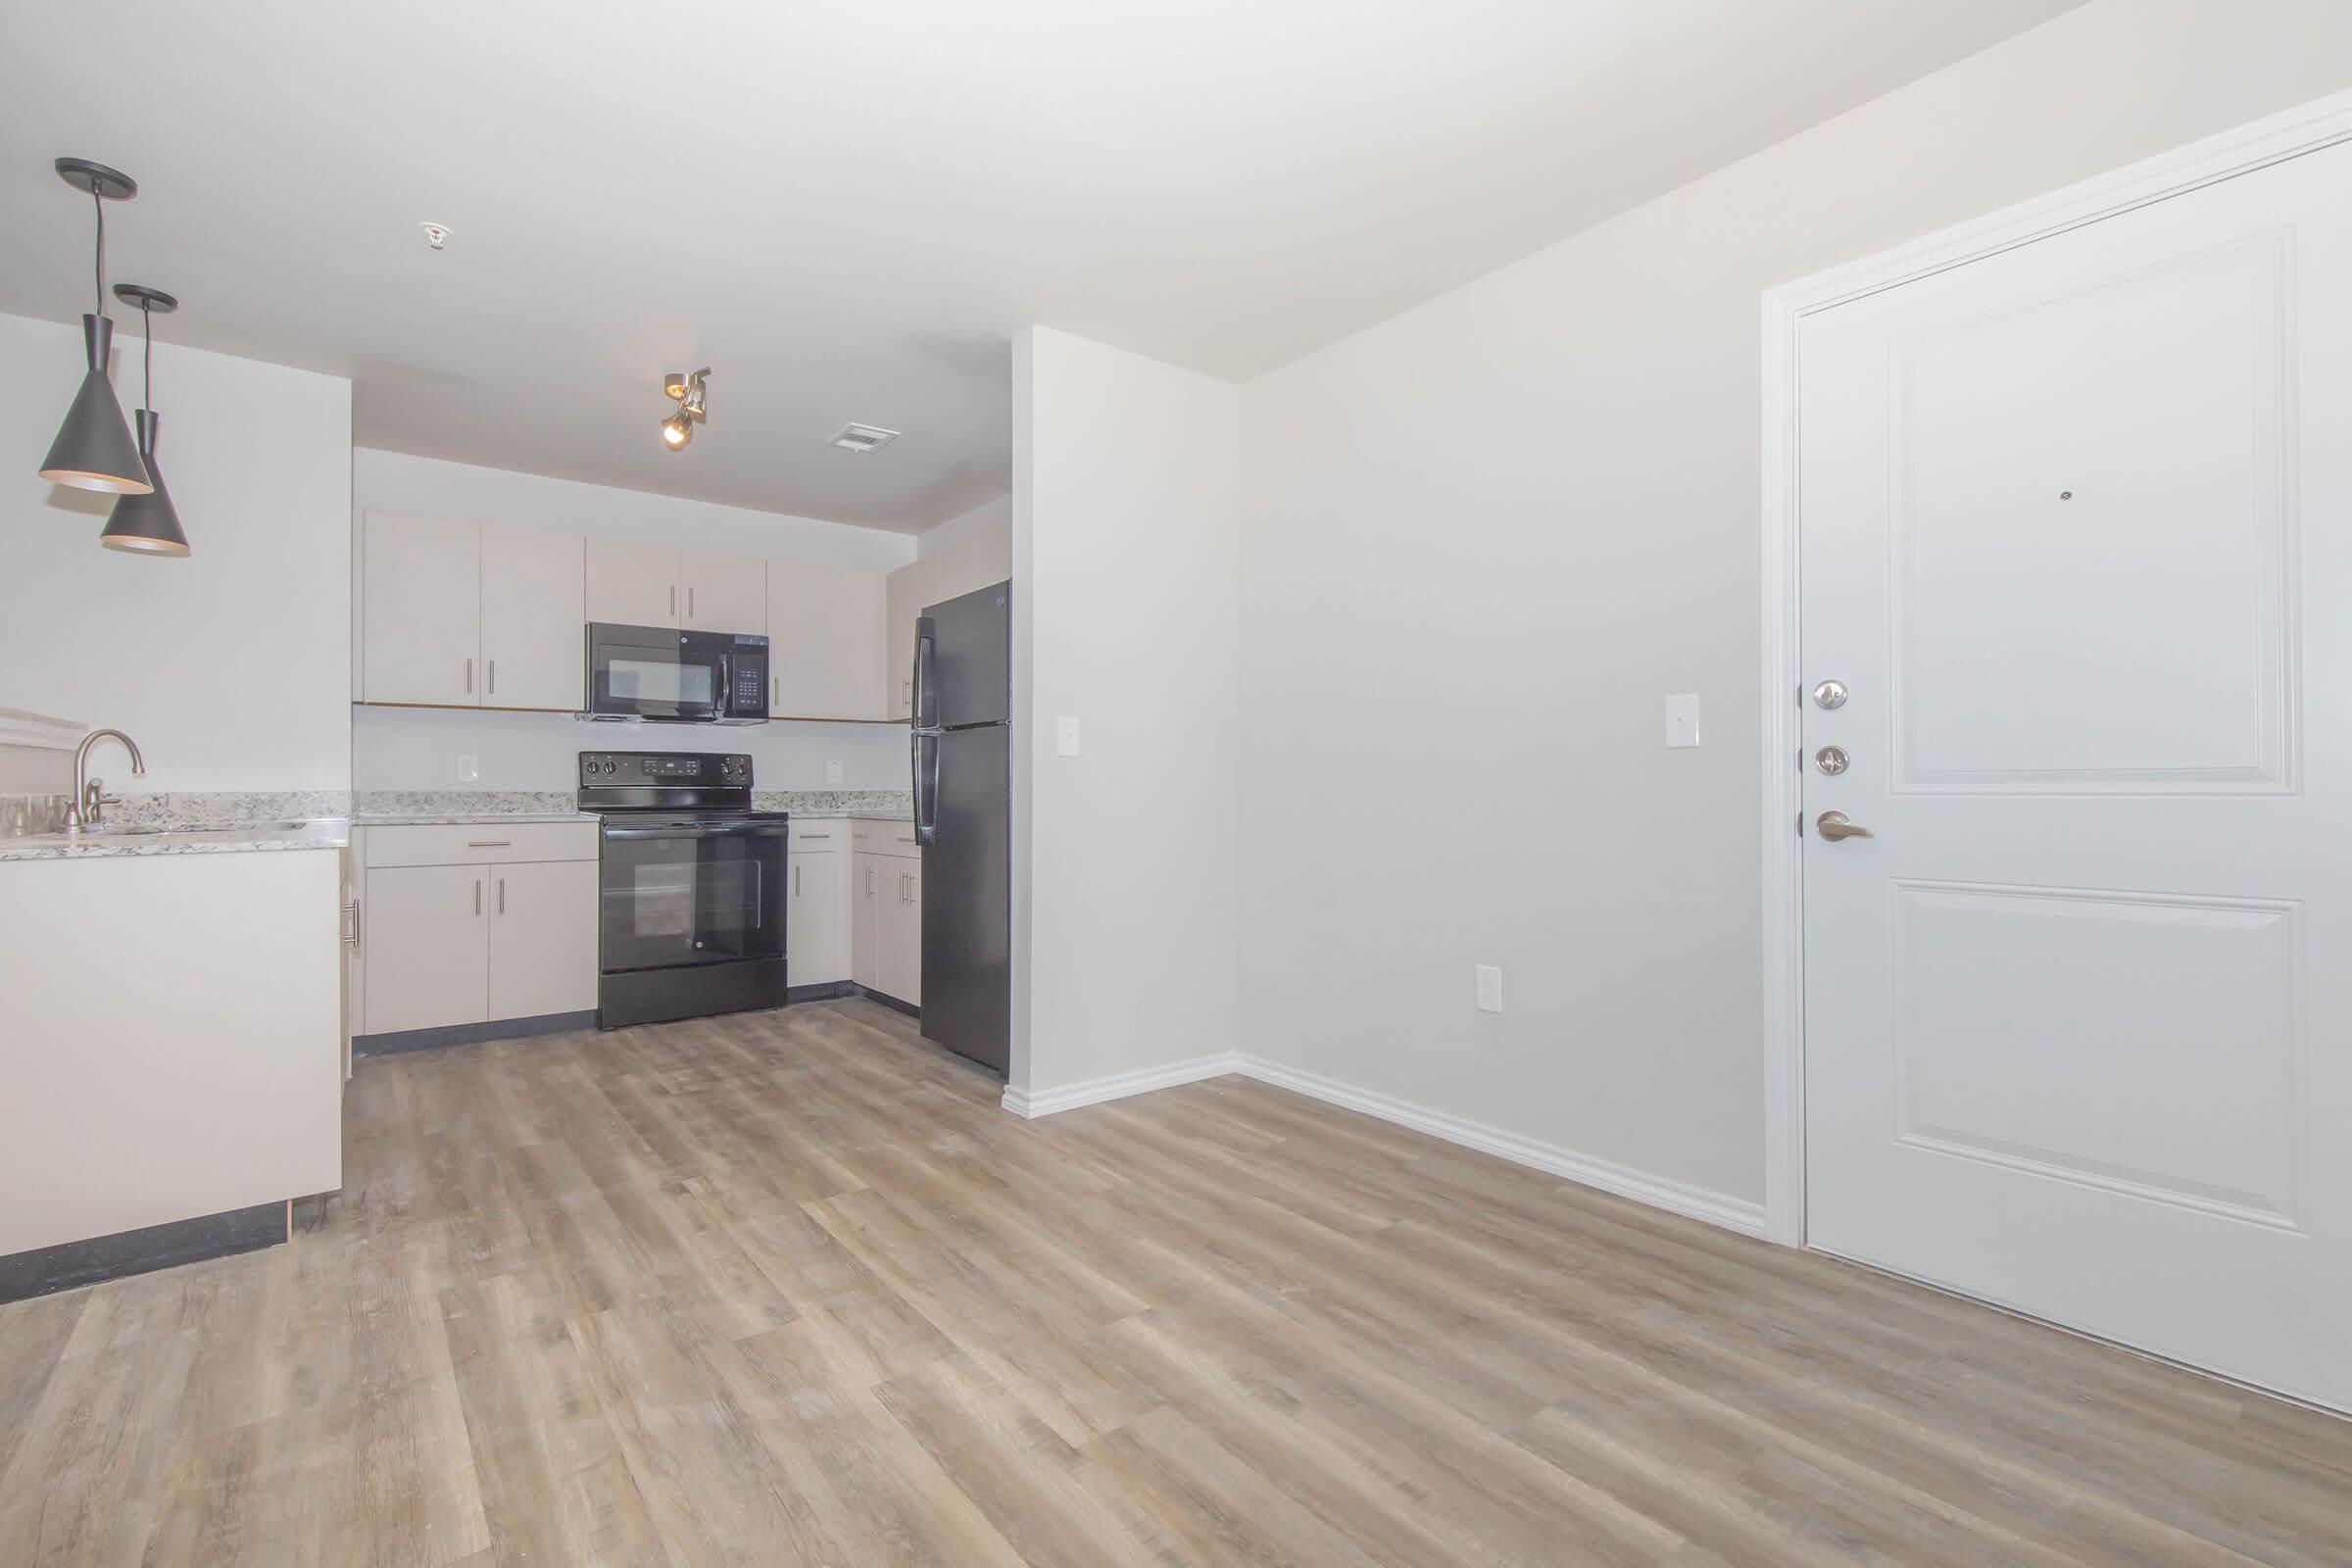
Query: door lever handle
(1835, 825)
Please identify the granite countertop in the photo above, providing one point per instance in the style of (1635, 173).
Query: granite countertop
(331, 833)
(465, 818)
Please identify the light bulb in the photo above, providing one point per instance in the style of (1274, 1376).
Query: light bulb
(677, 430)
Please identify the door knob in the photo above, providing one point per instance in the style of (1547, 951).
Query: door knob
(1835, 825)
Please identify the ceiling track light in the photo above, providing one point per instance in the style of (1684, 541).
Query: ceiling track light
(148, 525)
(686, 389)
(93, 449)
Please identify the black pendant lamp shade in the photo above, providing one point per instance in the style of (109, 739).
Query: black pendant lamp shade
(147, 524)
(93, 449)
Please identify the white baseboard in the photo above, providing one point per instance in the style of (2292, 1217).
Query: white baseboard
(1731, 1213)
(1118, 1086)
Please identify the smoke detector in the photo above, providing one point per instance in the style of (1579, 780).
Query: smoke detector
(434, 235)
(863, 438)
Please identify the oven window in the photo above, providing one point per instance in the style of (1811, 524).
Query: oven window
(662, 903)
(658, 679)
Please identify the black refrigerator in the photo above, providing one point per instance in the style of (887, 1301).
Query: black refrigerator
(963, 820)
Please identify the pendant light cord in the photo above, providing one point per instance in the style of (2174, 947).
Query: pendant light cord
(98, 266)
(147, 377)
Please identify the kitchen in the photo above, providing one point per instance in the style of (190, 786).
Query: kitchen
(475, 899)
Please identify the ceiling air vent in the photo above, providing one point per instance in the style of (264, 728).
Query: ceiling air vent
(863, 438)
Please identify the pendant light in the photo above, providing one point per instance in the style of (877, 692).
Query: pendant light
(93, 449)
(147, 524)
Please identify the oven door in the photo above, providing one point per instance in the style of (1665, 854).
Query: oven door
(677, 895)
(656, 672)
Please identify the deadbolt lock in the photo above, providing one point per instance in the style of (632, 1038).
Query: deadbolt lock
(1830, 694)
(1831, 759)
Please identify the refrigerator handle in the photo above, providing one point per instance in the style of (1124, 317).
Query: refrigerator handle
(926, 788)
(926, 632)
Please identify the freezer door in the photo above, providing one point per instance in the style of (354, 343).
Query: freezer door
(968, 898)
(968, 679)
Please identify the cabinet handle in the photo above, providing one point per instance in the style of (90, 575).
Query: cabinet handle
(775, 691)
(489, 844)
(494, 677)
(351, 931)
(477, 895)
(795, 881)
(470, 677)
(689, 603)
(811, 838)
(869, 881)
(673, 598)
(502, 895)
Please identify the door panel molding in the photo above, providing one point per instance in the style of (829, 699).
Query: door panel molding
(2311, 127)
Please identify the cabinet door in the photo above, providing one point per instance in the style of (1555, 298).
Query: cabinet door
(631, 584)
(901, 932)
(720, 592)
(869, 883)
(827, 642)
(428, 946)
(419, 605)
(543, 926)
(907, 592)
(815, 928)
(533, 598)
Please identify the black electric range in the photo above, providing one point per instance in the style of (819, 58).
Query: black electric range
(692, 886)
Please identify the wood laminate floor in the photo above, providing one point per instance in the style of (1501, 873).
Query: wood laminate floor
(790, 1289)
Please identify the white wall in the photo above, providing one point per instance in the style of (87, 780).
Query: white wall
(229, 666)
(984, 533)
(1126, 576)
(1481, 543)
(412, 749)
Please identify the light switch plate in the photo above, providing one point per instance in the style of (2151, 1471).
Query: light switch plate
(1065, 736)
(1490, 988)
(469, 769)
(1682, 719)
(833, 772)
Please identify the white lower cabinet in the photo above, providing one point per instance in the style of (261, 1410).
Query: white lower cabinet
(818, 910)
(886, 937)
(899, 932)
(453, 929)
(542, 938)
(428, 946)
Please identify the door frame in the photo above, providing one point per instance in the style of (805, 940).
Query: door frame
(2322, 122)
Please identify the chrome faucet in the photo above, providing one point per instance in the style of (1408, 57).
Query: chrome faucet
(87, 808)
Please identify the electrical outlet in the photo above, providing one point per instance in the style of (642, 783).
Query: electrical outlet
(1490, 988)
(469, 769)
(832, 773)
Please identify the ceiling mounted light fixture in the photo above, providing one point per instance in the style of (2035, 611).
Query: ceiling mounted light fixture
(686, 387)
(93, 449)
(148, 525)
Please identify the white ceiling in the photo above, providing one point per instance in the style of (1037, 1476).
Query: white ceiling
(847, 210)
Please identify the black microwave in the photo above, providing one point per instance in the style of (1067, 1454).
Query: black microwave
(663, 674)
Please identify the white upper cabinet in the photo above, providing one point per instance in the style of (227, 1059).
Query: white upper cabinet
(721, 592)
(632, 584)
(825, 642)
(912, 588)
(420, 608)
(531, 597)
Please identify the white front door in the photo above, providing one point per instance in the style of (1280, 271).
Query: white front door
(2075, 538)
